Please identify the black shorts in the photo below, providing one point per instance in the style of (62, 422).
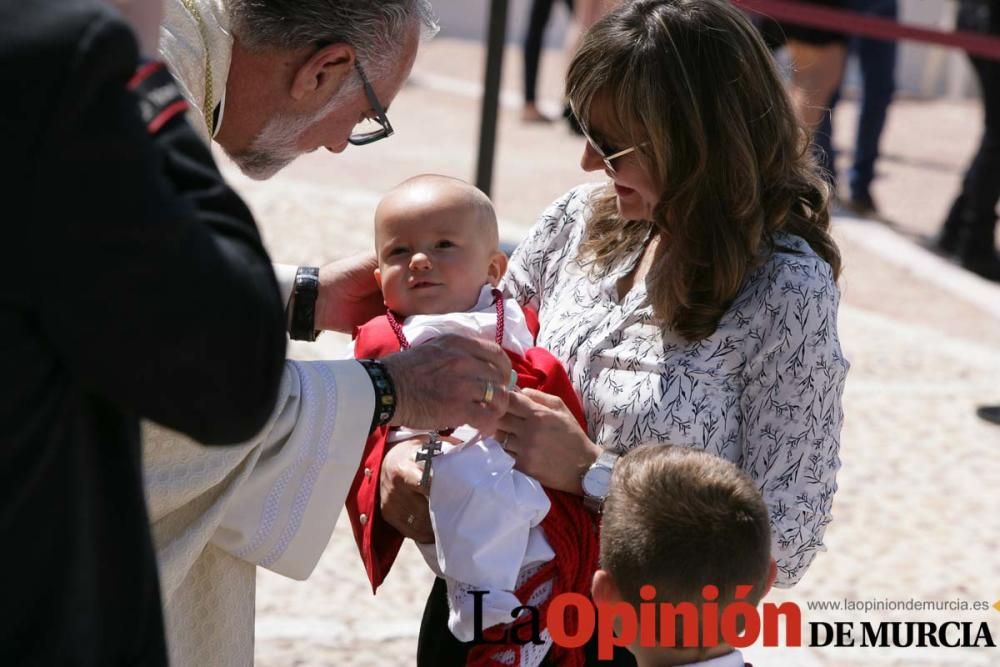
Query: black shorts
(815, 36)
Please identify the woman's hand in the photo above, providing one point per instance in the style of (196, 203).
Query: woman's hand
(403, 501)
(544, 437)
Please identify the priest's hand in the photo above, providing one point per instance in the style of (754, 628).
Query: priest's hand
(403, 501)
(450, 381)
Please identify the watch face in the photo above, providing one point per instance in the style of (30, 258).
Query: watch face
(597, 481)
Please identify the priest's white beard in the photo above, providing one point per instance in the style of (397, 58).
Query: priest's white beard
(275, 146)
(277, 143)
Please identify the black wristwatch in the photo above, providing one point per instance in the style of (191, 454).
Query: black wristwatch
(302, 305)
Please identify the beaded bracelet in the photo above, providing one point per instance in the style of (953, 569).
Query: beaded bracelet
(385, 392)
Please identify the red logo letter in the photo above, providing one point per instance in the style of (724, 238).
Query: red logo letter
(607, 614)
(556, 620)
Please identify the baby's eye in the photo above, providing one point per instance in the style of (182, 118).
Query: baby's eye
(398, 250)
(445, 243)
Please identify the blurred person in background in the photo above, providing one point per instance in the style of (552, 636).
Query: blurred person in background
(819, 60)
(818, 57)
(968, 232)
(538, 18)
(877, 65)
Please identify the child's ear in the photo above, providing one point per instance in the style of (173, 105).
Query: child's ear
(497, 268)
(772, 574)
(378, 278)
(603, 588)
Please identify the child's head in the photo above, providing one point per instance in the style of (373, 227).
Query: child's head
(680, 519)
(437, 244)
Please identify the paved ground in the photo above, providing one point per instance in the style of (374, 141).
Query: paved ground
(916, 515)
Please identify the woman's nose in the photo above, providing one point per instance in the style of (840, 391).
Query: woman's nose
(591, 160)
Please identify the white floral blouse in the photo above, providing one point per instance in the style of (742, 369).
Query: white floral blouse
(763, 391)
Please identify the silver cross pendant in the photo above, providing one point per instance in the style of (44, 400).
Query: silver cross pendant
(427, 454)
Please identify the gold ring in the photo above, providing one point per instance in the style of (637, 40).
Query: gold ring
(488, 396)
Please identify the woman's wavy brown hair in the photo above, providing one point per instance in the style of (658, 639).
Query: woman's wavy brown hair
(692, 83)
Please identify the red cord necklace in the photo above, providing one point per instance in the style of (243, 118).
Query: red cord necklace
(404, 344)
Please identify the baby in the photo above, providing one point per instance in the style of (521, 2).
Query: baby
(438, 246)
(439, 265)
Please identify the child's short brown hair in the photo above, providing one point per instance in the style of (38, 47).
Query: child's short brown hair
(681, 519)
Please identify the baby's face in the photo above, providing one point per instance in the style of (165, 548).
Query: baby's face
(434, 258)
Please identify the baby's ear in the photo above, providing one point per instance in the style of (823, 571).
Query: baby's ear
(497, 268)
(378, 277)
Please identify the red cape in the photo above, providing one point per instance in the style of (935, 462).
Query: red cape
(377, 541)
(571, 530)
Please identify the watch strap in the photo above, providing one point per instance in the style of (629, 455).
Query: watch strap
(302, 305)
(593, 503)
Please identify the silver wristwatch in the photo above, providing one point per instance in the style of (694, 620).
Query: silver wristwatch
(597, 480)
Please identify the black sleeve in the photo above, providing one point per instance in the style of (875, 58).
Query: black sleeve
(152, 281)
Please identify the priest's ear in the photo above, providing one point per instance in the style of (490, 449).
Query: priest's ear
(323, 72)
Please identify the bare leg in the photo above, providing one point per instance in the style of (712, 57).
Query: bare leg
(817, 72)
(541, 10)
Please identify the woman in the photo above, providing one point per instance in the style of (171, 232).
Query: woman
(693, 297)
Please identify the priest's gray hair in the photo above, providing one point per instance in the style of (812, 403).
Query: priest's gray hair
(376, 29)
